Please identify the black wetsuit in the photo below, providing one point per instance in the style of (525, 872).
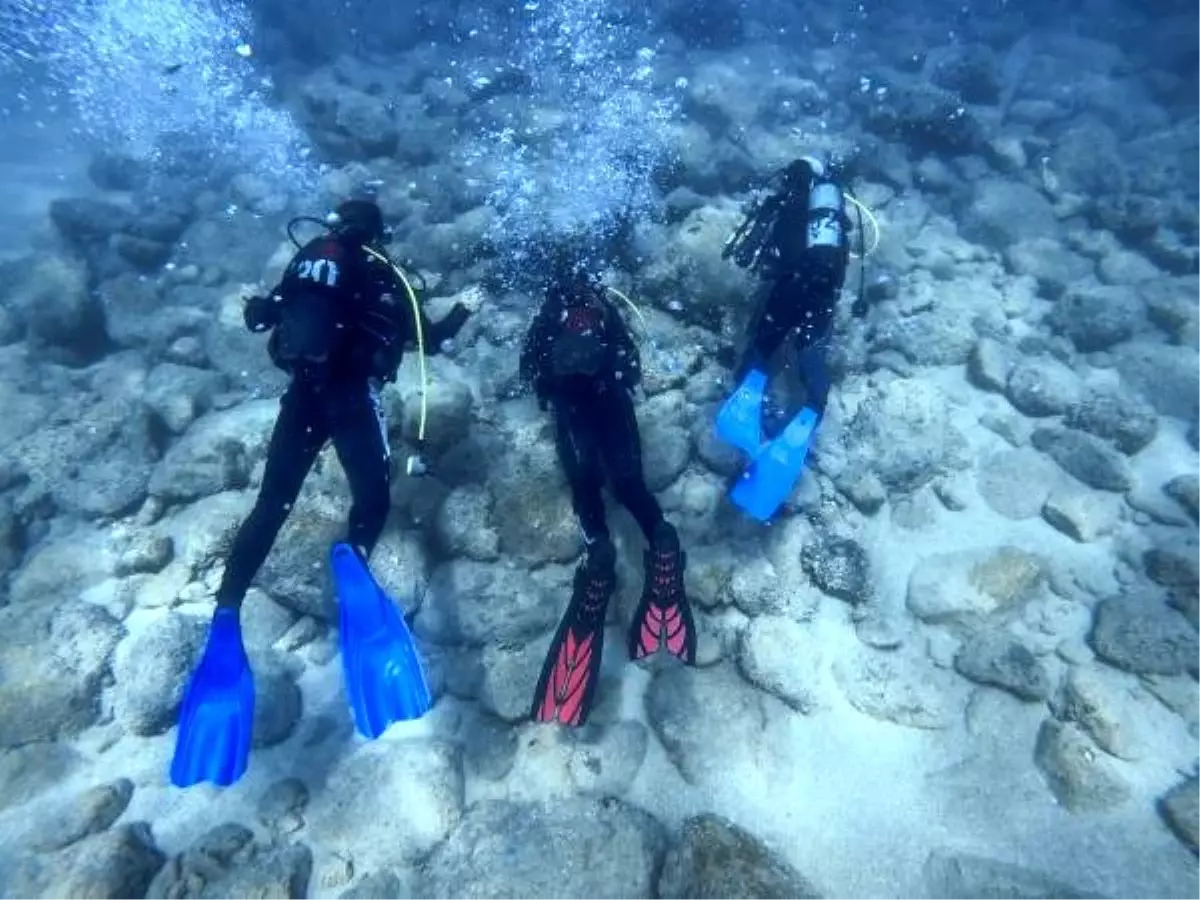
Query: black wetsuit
(596, 429)
(801, 299)
(339, 323)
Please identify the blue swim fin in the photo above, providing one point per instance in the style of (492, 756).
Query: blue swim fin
(384, 680)
(739, 423)
(772, 476)
(216, 719)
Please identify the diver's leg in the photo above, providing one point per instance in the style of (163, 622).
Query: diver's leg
(775, 319)
(359, 434)
(576, 441)
(813, 332)
(300, 432)
(622, 449)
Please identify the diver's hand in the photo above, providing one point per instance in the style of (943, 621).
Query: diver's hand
(260, 313)
(541, 390)
(441, 334)
(453, 322)
(859, 308)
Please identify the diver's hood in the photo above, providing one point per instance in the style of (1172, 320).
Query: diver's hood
(361, 218)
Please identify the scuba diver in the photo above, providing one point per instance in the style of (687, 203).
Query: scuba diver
(339, 321)
(797, 238)
(582, 363)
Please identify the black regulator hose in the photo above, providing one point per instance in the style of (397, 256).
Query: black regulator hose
(296, 221)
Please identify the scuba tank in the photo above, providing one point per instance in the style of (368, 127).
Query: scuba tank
(826, 212)
(826, 208)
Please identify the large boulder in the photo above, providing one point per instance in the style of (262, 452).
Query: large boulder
(62, 315)
(94, 455)
(1095, 316)
(601, 848)
(904, 434)
(1002, 212)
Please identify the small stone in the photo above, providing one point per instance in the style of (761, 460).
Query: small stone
(607, 766)
(952, 493)
(1081, 514)
(942, 648)
(965, 587)
(282, 807)
(465, 526)
(1180, 694)
(1138, 632)
(1185, 490)
(1054, 267)
(1126, 267)
(508, 673)
(1085, 457)
(55, 826)
(145, 552)
(1012, 427)
(915, 512)
(1174, 565)
(600, 847)
(780, 657)
(142, 253)
(1043, 387)
(716, 858)
(756, 588)
(1118, 416)
(379, 885)
(1016, 483)
(864, 490)
(1100, 704)
(1075, 651)
(187, 351)
(954, 875)
(1153, 505)
(489, 746)
(1181, 810)
(1095, 317)
(990, 365)
(903, 688)
(998, 659)
(877, 629)
(30, 769)
(1078, 776)
(839, 567)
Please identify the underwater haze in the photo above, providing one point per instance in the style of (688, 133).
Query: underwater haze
(962, 659)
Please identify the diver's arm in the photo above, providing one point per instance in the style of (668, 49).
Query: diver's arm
(410, 317)
(261, 313)
(532, 352)
(627, 360)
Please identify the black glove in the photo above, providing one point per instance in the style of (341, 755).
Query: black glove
(448, 327)
(384, 363)
(260, 313)
(859, 308)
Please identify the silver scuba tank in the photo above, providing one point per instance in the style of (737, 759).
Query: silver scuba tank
(826, 212)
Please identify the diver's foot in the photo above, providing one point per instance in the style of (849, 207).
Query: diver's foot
(774, 418)
(664, 617)
(595, 581)
(571, 672)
